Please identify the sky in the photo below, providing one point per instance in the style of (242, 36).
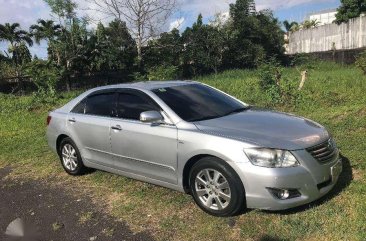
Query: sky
(26, 12)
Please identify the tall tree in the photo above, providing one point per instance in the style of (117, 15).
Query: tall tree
(71, 42)
(49, 31)
(350, 9)
(164, 51)
(204, 46)
(253, 36)
(114, 48)
(18, 40)
(45, 30)
(145, 18)
(14, 34)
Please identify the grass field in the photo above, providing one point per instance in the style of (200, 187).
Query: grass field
(334, 96)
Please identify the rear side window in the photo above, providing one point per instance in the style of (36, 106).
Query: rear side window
(130, 105)
(79, 108)
(99, 104)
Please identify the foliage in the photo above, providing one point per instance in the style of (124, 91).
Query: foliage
(18, 50)
(350, 9)
(270, 76)
(246, 39)
(110, 48)
(253, 36)
(45, 30)
(6, 67)
(270, 73)
(162, 72)
(166, 50)
(361, 62)
(307, 24)
(203, 50)
(44, 75)
(278, 87)
(290, 26)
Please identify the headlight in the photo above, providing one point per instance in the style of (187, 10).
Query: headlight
(271, 158)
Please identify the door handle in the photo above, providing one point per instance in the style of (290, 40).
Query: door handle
(72, 120)
(117, 128)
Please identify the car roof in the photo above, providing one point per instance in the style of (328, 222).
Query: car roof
(147, 85)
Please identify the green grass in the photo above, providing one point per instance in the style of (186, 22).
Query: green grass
(334, 96)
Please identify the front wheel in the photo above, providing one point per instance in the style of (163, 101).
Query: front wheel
(216, 187)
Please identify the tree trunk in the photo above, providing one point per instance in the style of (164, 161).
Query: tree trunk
(139, 46)
(68, 81)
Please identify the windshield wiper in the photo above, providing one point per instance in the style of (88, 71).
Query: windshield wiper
(237, 110)
(219, 116)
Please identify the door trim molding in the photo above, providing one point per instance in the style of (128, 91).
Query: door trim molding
(134, 159)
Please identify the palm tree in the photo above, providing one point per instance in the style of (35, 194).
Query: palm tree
(18, 39)
(307, 24)
(14, 35)
(289, 26)
(45, 30)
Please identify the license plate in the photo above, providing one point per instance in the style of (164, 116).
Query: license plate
(336, 170)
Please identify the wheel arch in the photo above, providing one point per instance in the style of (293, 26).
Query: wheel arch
(59, 140)
(189, 164)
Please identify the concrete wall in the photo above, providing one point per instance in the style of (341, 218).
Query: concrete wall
(330, 37)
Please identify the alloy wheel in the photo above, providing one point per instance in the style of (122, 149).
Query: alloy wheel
(212, 189)
(69, 157)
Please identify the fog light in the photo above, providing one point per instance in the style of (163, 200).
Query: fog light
(284, 194)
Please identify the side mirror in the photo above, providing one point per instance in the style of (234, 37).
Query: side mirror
(151, 117)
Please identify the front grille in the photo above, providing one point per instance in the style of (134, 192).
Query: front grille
(324, 152)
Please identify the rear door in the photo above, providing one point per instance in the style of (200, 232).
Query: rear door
(142, 148)
(89, 124)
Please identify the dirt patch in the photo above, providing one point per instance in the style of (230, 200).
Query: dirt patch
(55, 214)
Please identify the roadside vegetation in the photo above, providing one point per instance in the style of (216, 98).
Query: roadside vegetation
(333, 95)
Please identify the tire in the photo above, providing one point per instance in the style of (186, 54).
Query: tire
(70, 158)
(223, 197)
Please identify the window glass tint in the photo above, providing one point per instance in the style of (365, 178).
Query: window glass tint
(130, 106)
(196, 102)
(100, 104)
(79, 108)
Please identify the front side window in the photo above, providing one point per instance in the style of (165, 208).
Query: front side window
(100, 104)
(195, 102)
(131, 105)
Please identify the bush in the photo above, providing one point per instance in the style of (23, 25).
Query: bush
(279, 88)
(169, 72)
(44, 75)
(270, 74)
(361, 62)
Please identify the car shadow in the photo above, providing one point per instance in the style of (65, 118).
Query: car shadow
(345, 179)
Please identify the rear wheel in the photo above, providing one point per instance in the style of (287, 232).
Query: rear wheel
(70, 158)
(216, 187)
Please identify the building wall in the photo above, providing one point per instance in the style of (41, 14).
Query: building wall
(330, 37)
(324, 18)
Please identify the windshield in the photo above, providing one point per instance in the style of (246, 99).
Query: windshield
(195, 102)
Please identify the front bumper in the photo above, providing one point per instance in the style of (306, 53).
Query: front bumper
(312, 179)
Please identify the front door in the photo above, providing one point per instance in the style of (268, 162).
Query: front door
(145, 149)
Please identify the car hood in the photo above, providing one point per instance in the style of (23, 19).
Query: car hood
(267, 128)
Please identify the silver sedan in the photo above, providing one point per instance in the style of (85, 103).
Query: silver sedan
(196, 139)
